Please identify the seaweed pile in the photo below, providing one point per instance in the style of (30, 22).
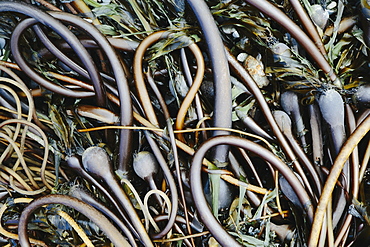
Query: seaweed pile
(184, 123)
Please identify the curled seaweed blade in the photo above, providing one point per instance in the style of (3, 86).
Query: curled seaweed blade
(63, 128)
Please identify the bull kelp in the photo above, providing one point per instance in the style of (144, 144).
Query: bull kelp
(184, 123)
